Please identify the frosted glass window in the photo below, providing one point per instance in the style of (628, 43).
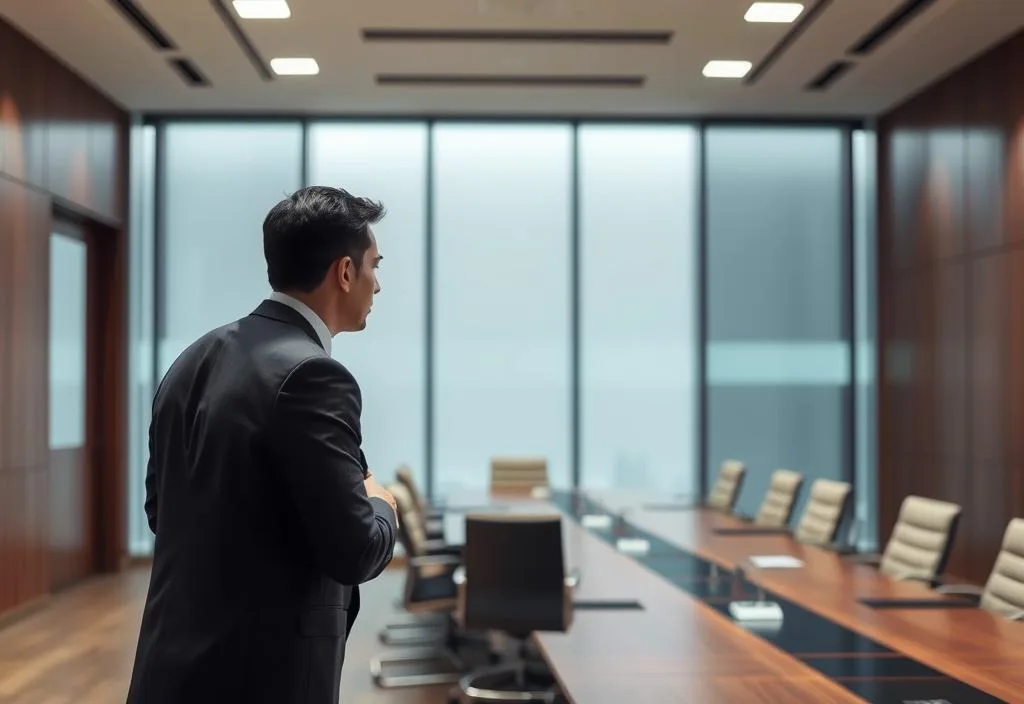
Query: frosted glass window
(68, 331)
(219, 182)
(386, 162)
(866, 281)
(140, 330)
(502, 291)
(778, 369)
(638, 298)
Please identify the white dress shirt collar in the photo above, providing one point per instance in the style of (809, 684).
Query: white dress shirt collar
(319, 326)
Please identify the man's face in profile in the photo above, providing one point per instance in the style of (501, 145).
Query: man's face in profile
(366, 284)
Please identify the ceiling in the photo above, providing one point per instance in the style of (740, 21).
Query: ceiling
(95, 38)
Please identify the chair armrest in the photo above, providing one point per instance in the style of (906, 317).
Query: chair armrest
(439, 547)
(961, 590)
(917, 577)
(435, 560)
(1016, 616)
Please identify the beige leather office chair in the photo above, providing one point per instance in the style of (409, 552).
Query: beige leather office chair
(514, 581)
(433, 521)
(824, 512)
(518, 475)
(429, 599)
(1003, 593)
(777, 507)
(921, 540)
(727, 487)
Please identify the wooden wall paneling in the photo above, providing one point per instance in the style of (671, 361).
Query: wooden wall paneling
(105, 160)
(1015, 380)
(963, 266)
(944, 191)
(23, 108)
(113, 353)
(71, 112)
(59, 138)
(990, 504)
(7, 524)
(908, 152)
(986, 160)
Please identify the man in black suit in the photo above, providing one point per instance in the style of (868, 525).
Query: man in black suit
(265, 513)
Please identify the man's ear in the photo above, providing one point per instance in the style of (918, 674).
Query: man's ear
(346, 273)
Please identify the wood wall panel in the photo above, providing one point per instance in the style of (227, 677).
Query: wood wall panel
(951, 317)
(63, 145)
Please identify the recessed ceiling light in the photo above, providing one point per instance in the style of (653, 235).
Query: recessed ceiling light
(295, 67)
(773, 12)
(727, 69)
(262, 9)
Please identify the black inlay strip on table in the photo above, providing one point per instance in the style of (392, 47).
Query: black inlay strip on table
(826, 646)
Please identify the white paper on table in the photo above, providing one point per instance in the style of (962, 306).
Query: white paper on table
(633, 546)
(776, 562)
(600, 521)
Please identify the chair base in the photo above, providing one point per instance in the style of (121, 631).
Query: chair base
(508, 683)
(416, 667)
(411, 629)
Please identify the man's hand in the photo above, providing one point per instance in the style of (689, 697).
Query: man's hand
(374, 489)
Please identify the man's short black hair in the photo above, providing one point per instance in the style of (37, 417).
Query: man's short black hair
(307, 231)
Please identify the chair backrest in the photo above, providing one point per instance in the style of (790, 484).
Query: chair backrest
(515, 574)
(727, 487)
(518, 475)
(404, 475)
(777, 507)
(1004, 591)
(824, 512)
(921, 539)
(411, 531)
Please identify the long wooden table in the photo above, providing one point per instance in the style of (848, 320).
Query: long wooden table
(680, 649)
(673, 650)
(971, 645)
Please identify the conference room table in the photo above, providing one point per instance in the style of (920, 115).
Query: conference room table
(678, 643)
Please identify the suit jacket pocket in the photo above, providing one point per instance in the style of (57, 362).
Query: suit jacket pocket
(323, 622)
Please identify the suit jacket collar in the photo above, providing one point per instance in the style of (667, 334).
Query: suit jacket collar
(286, 314)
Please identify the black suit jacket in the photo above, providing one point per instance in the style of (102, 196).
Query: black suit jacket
(263, 527)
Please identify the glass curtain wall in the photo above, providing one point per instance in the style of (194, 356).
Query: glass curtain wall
(638, 307)
(542, 290)
(777, 304)
(386, 162)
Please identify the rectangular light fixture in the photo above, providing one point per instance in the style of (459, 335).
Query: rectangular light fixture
(727, 69)
(262, 9)
(783, 12)
(295, 67)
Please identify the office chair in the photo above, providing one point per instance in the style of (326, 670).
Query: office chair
(780, 499)
(824, 513)
(727, 487)
(921, 541)
(1003, 593)
(518, 475)
(421, 625)
(429, 598)
(433, 519)
(513, 581)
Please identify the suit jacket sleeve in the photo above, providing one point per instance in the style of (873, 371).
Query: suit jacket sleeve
(315, 437)
(151, 482)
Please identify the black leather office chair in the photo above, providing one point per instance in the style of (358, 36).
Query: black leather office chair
(513, 580)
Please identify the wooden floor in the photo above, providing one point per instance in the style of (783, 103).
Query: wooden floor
(78, 648)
